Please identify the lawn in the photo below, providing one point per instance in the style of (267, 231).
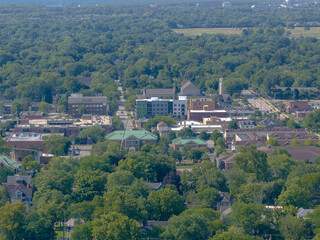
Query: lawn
(200, 31)
(59, 232)
(297, 32)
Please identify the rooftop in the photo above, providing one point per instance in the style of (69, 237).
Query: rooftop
(140, 134)
(79, 98)
(27, 137)
(186, 140)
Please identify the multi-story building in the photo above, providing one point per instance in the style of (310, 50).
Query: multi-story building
(132, 140)
(78, 104)
(202, 104)
(163, 107)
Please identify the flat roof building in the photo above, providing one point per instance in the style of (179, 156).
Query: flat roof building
(78, 105)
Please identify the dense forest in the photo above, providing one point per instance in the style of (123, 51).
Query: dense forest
(48, 48)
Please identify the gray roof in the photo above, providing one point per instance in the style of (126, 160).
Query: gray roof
(187, 84)
(77, 98)
(13, 180)
(165, 91)
(303, 212)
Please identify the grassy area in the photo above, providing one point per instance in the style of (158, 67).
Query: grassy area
(200, 31)
(59, 232)
(297, 32)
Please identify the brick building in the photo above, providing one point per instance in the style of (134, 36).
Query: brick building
(77, 103)
(198, 115)
(132, 140)
(202, 104)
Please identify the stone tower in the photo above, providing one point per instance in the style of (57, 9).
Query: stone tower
(220, 86)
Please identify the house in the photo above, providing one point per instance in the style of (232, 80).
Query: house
(226, 162)
(196, 127)
(85, 80)
(189, 89)
(132, 140)
(31, 115)
(193, 142)
(303, 213)
(154, 185)
(225, 201)
(19, 189)
(78, 104)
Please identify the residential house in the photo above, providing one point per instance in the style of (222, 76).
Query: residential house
(163, 129)
(132, 140)
(19, 189)
(225, 201)
(193, 142)
(294, 106)
(10, 163)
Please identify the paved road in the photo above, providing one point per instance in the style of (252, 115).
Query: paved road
(122, 113)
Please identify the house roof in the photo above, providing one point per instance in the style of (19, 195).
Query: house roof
(140, 134)
(302, 213)
(8, 162)
(187, 84)
(186, 140)
(13, 180)
(162, 124)
(297, 152)
(154, 185)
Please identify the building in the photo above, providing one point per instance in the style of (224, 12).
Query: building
(293, 107)
(207, 104)
(10, 163)
(64, 126)
(163, 107)
(78, 104)
(19, 189)
(225, 201)
(221, 86)
(27, 141)
(193, 142)
(31, 115)
(166, 93)
(198, 115)
(189, 89)
(132, 140)
(163, 129)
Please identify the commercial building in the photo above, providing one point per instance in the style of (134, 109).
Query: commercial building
(132, 140)
(65, 126)
(78, 104)
(202, 104)
(163, 107)
(198, 115)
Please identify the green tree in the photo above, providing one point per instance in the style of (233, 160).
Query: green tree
(94, 133)
(187, 227)
(56, 144)
(117, 124)
(235, 234)
(165, 203)
(294, 195)
(4, 173)
(233, 125)
(4, 196)
(44, 107)
(28, 163)
(115, 226)
(203, 135)
(119, 178)
(88, 184)
(12, 221)
(186, 132)
(252, 161)
(252, 217)
(38, 227)
(292, 227)
(280, 165)
(82, 232)
(272, 142)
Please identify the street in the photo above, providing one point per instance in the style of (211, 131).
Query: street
(122, 113)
